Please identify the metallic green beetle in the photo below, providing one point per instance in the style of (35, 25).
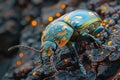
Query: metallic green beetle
(71, 27)
(74, 26)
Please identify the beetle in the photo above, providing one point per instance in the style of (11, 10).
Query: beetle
(72, 27)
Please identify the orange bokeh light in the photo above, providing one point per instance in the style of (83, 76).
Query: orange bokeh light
(50, 18)
(109, 43)
(65, 60)
(107, 25)
(58, 14)
(21, 54)
(105, 20)
(34, 23)
(18, 62)
(63, 6)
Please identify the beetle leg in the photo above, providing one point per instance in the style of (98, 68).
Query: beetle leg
(108, 32)
(99, 29)
(71, 46)
(91, 37)
(78, 60)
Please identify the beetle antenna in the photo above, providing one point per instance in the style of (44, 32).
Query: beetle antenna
(23, 46)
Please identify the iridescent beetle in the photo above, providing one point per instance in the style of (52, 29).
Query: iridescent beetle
(71, 27)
